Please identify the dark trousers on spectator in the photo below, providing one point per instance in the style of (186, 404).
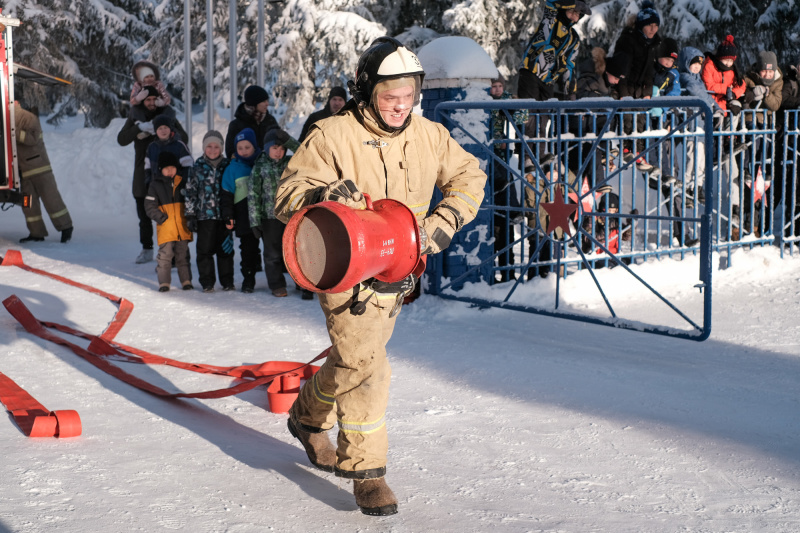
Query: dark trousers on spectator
(210, 236)
(250, 254)
(145, 225)
(272, 234)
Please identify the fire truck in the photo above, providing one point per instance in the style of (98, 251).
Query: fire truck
(9, 70)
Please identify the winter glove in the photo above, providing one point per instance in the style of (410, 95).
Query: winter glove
(735, 107)
(656, 112)
(147, 127)
(191, 223)
(384, 287)
(257, 232)
(282, 137)
(140, 96)
(227, 244)
(160, 102)
(436, 231)
(342, 191)
(759, 92)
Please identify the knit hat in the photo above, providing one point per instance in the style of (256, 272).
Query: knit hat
(668, 48)
(726, 49)
(271, 138)
(696, 59)
(246, 134)
(766, 61)
(212, 136)
(337, 91)
(168, 159)
(619, 65)
(647, 15)
(151, 91)
(143, 72)
(163, 120)
(254, 95)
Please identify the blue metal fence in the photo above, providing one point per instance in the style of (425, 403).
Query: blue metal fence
(616, 166)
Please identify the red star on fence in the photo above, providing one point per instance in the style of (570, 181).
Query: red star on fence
(559, 212)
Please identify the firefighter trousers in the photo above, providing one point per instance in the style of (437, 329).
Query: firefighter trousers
(351, 388)
(43, 186)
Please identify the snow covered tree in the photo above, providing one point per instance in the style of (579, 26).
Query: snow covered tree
(502, 28)
(316, 44)
(89, 42)
(780, 23)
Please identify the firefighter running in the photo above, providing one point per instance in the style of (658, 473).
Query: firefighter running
(374, 146)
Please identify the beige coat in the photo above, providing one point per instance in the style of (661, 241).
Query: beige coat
(352, 386)
(31, 153)
(405, 166)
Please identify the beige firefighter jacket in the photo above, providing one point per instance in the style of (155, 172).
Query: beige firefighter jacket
(31, 154)
(404, 166)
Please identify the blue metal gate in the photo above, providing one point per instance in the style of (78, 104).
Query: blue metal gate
(551, 202)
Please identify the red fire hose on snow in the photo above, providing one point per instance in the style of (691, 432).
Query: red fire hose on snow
(283, 377)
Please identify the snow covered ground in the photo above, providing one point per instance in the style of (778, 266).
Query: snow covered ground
(498, 420)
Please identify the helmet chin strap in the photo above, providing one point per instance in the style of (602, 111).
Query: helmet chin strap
(376, 114)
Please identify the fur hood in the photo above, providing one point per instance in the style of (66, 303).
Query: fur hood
(140, 64)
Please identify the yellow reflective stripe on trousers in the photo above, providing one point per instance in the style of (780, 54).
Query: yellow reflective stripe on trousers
(465, 197)
(61, 213)
(35, 171)
(364, 428)
(321, 396)
(34, 219)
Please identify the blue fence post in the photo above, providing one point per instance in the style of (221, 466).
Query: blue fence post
(469, 246)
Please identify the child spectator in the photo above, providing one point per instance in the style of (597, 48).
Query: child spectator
(722, 76)
(233, 201)
(640, 41)
(690, 61)
(203, 214)
(261, 187)
(166, 140)
(164, 203)
(666, 79)
(145, 74)
(724, 81)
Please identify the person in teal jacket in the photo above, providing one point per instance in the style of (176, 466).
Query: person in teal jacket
(233, 202)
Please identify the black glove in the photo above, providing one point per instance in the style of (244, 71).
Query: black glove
(257, 232)
(384, 287)
(342, 191)
(735, 107)
(282, 137)
(191, 224)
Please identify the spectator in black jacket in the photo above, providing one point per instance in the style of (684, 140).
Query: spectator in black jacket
(337, 98)
(253, 114)
(139, 130)
(640, 41)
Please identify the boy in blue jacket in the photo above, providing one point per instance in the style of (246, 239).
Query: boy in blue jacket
(690, 63)
(233, 200)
